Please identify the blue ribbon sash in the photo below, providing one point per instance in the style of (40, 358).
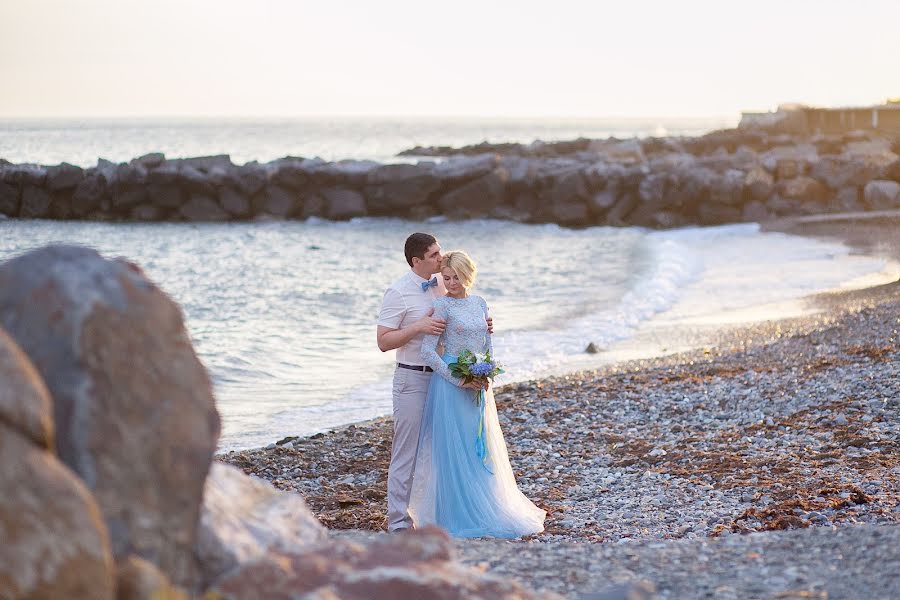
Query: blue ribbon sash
(481, 449)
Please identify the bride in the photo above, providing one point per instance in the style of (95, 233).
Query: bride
(463, 481)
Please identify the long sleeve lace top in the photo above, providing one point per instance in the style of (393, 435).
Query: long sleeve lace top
(466, 330)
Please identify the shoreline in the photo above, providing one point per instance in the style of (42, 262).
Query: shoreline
(874, 241)
(786, 431)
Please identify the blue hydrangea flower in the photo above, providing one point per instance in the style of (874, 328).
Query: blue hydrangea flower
(481, 369)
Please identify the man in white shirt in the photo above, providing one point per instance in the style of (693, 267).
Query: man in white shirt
(405, 318)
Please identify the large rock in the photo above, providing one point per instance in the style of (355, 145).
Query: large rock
(133, 406)
(54, 543)
(243, 519)
(149, 161)
(459, 169)
(54, 540)
(24, 402)
(250, 178)
(415, 564)
(875, 151)
(804, 189)
(847, 199)
(234, 202)
(892, 171)
(64, 176)
(728, 188)
(165, 195)
(714, 213)
(276, 201)
(203, 208)
(35, 202)
(627, 152)
(839, 172)
(9, 200)
(397, 187)
(882, 194)
(759, 184)
(88, 195)
(343, 204)
(289, 172)
(475, 198)
(138, 579)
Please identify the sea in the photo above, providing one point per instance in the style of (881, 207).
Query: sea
(283, 313)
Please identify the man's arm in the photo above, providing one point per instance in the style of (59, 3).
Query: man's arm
(391, 339)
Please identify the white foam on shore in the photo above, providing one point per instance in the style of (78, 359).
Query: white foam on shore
(750, 275)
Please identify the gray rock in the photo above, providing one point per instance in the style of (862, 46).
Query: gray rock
(9, 200)
(146, 212)
(276, 201)
(396, 187)
(882, 194)
(712, 213)
(54, 541)
(139, 432)
(459, 169)
(234, 202)
(203, 208)
(343, 204)
(475, 198)
(35, 202)
(759, 184)
(755, 211)
(149, 161)
(64, 176)
(250, 178)
(165, 195)
(89, 194)
(243, 519)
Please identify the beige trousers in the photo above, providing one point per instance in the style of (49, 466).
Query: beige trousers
(410, 389)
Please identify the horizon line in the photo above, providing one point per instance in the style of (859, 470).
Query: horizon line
(370, 116)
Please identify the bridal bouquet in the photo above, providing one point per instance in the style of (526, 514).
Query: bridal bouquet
(475, 367)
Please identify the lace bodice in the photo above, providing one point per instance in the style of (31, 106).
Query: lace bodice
(466, 330)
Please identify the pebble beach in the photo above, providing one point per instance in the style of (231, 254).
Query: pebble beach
(746, 463)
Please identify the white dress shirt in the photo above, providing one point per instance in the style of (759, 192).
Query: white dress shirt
(405, 303)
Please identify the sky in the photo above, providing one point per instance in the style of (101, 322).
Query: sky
(523, 58)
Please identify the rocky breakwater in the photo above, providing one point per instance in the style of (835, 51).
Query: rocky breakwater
(722, 177)
(107, 431)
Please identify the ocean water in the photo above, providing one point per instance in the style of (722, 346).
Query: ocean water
(283, 313)
(83, 141)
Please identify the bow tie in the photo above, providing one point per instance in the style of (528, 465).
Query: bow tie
(430, 283)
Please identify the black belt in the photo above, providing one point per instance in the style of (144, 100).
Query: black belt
(415, 367)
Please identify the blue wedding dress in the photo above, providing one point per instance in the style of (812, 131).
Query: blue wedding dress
(463, 481)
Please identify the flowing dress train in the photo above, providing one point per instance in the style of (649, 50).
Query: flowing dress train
(463, 481)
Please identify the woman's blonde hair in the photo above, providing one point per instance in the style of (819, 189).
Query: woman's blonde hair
(460, 262)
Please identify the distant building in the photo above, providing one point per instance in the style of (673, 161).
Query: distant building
(798, 118)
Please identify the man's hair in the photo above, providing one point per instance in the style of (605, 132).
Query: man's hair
(417, 245)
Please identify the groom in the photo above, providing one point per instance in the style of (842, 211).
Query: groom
(405, 318)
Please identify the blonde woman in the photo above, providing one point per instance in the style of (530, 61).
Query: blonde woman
(463, 481)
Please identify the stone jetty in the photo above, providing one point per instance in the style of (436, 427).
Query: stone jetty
(728, 176)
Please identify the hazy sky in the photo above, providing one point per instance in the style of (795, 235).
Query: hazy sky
(670, 58)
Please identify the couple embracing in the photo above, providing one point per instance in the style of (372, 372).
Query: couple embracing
(449, 463)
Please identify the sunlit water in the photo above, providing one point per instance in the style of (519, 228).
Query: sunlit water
(81, 142)
(283, 313)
